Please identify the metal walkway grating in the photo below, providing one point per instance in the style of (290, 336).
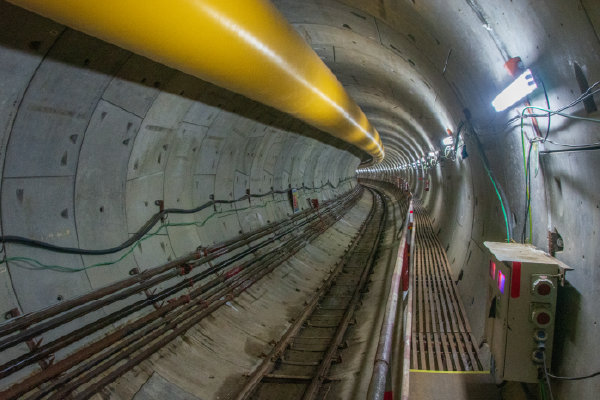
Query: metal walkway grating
(441, 334)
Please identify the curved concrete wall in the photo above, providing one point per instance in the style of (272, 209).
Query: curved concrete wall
(92, 135)
(468, 43)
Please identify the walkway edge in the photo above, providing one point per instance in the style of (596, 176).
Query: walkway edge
(382, 356)
(408, 323)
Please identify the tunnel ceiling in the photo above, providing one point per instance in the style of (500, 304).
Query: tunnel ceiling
(413, 66)
(395, 77)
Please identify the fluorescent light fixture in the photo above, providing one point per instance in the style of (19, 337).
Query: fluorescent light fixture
(448, 141)
(431, 154)
(520, 88)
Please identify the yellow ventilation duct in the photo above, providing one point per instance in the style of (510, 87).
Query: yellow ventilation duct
(245, 46)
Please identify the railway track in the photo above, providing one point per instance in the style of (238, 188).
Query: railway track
(298, 365)
(193, 287)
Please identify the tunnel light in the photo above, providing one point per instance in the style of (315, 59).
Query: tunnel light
(448, 141)
(520, 88)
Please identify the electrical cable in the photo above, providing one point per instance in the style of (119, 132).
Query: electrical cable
(528, 170)
(546, 375)
(145, 237)
(542, 391)
(574, 145)
(557, 113)
(501, 203)
(527, 161)
(147, 226)
(548, 104)
(490, 175)
(528, 197)
(583, 96)
(578, 378)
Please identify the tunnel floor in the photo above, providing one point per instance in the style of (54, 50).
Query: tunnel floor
(445, 360)
(299, 365)
(221, 321)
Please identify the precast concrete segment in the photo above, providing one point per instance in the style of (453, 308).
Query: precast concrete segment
(236, 281)
(251, 321)
(138, 147)
(213, 39)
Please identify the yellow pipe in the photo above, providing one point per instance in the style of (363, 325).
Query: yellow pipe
(245, 46)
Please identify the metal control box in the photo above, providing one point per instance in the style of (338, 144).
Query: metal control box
(521, 305)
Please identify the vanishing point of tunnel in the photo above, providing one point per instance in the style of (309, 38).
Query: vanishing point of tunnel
(299, 199)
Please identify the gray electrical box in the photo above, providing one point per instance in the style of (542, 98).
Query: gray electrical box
(521, 308)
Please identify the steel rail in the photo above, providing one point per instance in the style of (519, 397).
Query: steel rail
(267, 365)
(323, 368)
(134, 343)
(241, 286)
(46, 350)
(75, 359)
(196, 298)
(26, 320)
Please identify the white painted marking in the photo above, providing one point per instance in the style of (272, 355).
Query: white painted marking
(300, 261)
(345, 222)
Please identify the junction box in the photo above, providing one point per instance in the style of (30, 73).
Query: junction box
(521, 309)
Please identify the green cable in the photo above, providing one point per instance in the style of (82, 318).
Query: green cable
(525, 169)
(148, 236)
(550, 112)
(542, 391)
(495, 188)
(501, 203)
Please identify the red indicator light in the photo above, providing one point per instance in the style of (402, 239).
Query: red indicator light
(411, 211)
(501, 281)
(515, 283)
(492, 269)
(544, 289)
(543, 318)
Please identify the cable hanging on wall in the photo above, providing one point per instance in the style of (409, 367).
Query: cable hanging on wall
(142, 233)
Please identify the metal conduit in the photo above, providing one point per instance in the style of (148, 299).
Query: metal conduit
(245, 46)
(382, 362)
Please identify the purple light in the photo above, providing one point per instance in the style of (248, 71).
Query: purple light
(501, 280)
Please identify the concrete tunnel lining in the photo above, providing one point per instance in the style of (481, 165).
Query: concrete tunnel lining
(100, 132)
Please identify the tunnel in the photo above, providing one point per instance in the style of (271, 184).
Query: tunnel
(299, 199)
